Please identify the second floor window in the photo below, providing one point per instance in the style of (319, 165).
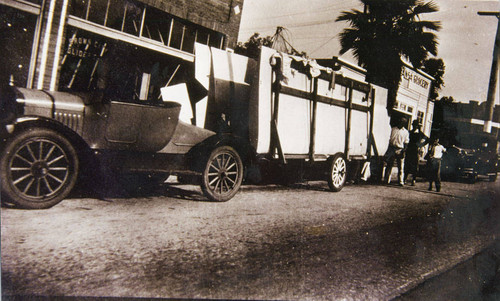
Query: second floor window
(140, 20)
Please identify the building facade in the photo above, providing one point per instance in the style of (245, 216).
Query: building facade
(124, 48)
(460, 122)
(412, 100)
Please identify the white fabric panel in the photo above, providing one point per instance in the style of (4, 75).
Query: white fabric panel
(339, 92)
(359, 97)
(179, 93)
(294, 116)
(294, 124)
(330, 129)
(324, 89)
(263, 99)
(201, 112)
(203, 60)
(299, 81)
(359, 133)
(381, 125)
(229, 66)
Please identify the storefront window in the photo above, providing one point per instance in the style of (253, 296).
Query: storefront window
(78, 8)
(16, 41)
(177, 35)
(216, 40)
(156, 26)
(189, 38)
(202, 37)
(132, 17)
(97, 11)
(420, 118)
(115, 69)
(127, 16)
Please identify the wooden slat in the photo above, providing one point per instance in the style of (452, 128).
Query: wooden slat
(323, 99)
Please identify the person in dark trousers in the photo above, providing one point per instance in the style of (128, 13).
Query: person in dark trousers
(434, 156)
(398, 143)
(417, 140)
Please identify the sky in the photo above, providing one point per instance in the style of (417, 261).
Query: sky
(465, 41)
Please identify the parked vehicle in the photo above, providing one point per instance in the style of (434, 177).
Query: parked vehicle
(478, 158)
(255, 115)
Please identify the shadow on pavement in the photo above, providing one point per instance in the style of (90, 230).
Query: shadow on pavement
(475, 279)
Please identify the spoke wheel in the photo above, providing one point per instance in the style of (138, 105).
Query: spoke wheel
(337, 172)
(222, 175)
(39, 168)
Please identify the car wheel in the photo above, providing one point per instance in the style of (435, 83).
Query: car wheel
(473, 178)
(337, 173)
(222, 175)
(493, 178)
(39, 168)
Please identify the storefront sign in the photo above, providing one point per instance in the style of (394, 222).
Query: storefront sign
(84, 47)
(415, 81)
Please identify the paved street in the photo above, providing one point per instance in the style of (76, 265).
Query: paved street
(270, 242)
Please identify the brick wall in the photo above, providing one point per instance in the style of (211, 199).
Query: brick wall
(214, 14)
(217, 15)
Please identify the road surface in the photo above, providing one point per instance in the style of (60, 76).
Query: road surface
(299, 242)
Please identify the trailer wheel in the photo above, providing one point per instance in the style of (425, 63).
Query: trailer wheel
(223, 173)
(337, 172)
(38, 168)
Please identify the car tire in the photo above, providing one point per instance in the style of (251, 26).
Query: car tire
(473, 178)
(223, 173)
(493, 178)
(39, 168)
(337, 172)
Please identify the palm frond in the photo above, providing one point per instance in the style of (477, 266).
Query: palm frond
(349, 16)
(424, 8)
(430, 25)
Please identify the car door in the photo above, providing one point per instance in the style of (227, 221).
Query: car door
(140, 127)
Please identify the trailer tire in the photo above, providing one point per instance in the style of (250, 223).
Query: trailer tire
(223, 173)
(39, 168)
(337, 172)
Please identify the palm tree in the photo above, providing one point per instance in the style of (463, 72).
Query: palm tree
(384, 33)
(435, 68)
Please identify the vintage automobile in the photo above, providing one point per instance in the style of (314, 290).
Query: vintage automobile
(255, 115)
(477, 158)
(48, 138)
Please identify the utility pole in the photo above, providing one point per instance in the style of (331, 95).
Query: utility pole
(490, 100)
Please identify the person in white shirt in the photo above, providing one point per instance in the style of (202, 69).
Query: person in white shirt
(398, 142)
(434, 156)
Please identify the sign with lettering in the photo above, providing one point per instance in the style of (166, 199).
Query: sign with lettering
(415, 81)
(81, 46)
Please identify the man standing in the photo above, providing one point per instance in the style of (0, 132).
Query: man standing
(396, 151)
(434, 163)
(417, 140)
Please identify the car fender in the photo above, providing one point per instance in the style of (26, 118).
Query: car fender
(27, 122)
(198, 154)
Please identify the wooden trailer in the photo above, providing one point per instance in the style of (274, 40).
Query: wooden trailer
(293, 112)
